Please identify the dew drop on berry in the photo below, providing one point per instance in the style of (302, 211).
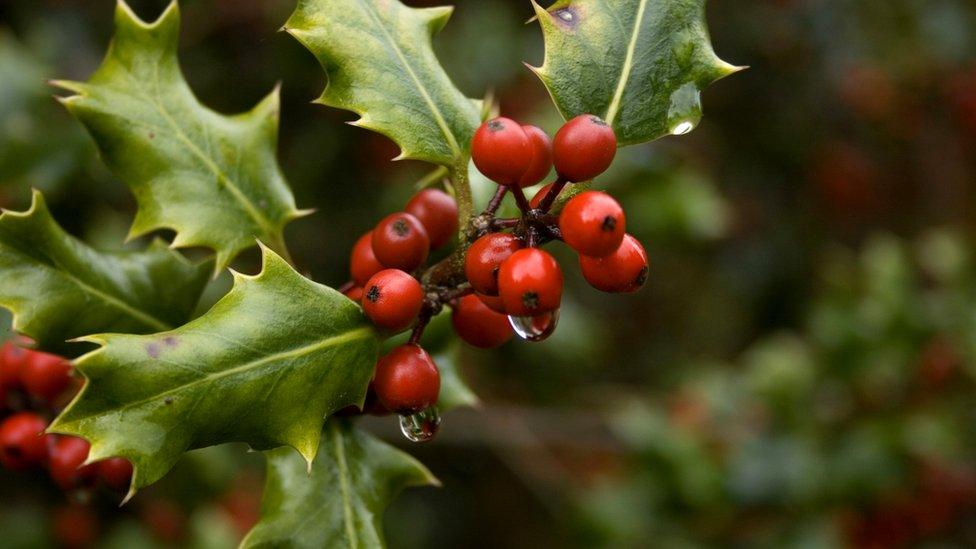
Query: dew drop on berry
(535, 328)
(421, 426)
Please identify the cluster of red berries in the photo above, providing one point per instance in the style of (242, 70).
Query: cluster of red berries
(508, 271)
(34, 385)
(509, 284)
(406, 380)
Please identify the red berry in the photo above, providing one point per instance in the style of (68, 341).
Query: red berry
(116, 473)
(437, 212)
(501, 151)
(593, 224)
(22, 442)
(407, 380)
(480, 326)
(485, 257)
(541, 156)
(400, 241)
(363, 263)
(393, 299)
(64, 463)
(584, 148)
(12, 361)
(75, 525)
(493, 302)
(167, 522)
(530, 283)
(355, 293)
(45, 376)
(539, 196)
(621, 272)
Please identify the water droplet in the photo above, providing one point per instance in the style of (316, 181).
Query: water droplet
(422, 426)
(683, 128)
(535, 328)
(685, 110)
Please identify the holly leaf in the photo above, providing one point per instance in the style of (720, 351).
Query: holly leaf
(380, 64)
(341, 504)
(455, 393)
(264, 366)
(639, 64)
(213, 179)
(59, 289)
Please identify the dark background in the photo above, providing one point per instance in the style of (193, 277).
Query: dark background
(797, 372)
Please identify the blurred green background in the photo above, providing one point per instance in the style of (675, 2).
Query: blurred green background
(798, 371)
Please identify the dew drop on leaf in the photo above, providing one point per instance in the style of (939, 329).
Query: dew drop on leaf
(422, 426)
(685, 110)
(535, 328)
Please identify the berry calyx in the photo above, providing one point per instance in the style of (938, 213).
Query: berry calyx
(407, 380)
(478, 325)
(583, 148)
(116, 473)
(400, 241)
(593, 224)
(22, 441)
(484, 258)
(363, 263)
(392, 299)
(622, 272)
(541, 156)
(437, 212)
(45, 376)
(501, 151)
(530, 283)
(64, 463)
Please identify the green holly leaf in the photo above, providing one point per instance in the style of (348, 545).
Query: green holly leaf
(264, 366)
(639, 64)
(380, 64)
(213, 179)
(455, 393)
(59, 289)
(341, 503)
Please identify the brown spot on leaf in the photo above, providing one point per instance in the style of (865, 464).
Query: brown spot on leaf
(568, 17)
(171, 341)
(152, 350)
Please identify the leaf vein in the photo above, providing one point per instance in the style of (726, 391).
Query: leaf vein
(618, 95)
(438, 116)
(294, 353)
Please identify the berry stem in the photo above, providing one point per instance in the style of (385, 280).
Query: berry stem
(523, 203)
(462, 194)
(496, 201)
(550, 198)
(498, 224)
(418, 329)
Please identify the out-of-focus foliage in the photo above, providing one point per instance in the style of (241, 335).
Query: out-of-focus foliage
(39, 147)
(854, 429)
